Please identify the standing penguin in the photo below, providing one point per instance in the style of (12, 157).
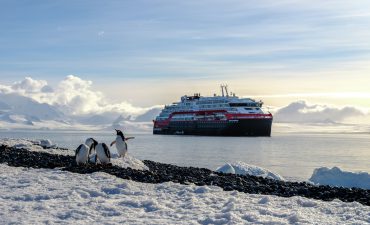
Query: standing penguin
(121, 144)
(91, 143)
(102, 153)
(82, 154)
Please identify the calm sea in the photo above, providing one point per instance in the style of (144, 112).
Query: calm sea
(294, 156)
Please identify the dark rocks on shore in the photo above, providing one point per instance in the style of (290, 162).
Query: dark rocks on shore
(160, 172)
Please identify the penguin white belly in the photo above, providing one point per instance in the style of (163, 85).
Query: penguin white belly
(82, 154)
(121, 146)
(103, 153)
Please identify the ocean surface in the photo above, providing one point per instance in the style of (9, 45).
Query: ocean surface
(292, 155)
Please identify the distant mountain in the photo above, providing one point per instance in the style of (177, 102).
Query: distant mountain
(149, 115)
(4, 106)
(95, 119)
(19, 105)
(17, 112)
(302, 112)
(6, 118)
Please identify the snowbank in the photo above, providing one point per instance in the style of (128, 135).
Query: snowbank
(40, 196)
(244, 168)
(37, 145)
(338, 177)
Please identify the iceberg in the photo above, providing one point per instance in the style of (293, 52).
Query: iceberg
(337, 177)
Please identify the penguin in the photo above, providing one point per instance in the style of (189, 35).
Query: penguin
(121, 144)
(82, 154)
(91, 143)
(102, 153)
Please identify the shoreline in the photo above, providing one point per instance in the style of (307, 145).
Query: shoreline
(160, 172)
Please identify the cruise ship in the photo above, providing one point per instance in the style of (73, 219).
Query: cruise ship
(219, 115)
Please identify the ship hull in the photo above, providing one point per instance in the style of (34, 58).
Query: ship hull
(239, 127)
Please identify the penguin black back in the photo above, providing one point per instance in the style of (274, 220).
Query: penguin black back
(78, 149)
(93, 145)
(106, 150)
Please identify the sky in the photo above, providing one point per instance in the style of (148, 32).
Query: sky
(152, 52)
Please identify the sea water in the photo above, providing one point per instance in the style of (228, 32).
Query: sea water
(294, 156)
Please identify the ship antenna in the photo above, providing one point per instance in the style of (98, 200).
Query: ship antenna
(227, 93)
(222, 90)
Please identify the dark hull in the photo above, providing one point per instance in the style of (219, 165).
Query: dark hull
(241, 127)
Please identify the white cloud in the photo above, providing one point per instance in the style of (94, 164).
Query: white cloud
(302, 112)
(29, 85)
(73, 96)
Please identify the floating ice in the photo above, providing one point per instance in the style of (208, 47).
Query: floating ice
(337, 177)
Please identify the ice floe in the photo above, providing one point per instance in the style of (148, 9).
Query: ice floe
(337, 177)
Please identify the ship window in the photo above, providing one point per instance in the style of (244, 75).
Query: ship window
(248, 109)
(238, 104)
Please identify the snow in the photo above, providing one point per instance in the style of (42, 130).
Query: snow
(45, 196)
(337, 177)
(41, 196)
(227, 168)
(34, 145)
(243, 168)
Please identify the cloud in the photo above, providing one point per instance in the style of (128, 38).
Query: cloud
(72, 95)
(302, 112)
(29, 85)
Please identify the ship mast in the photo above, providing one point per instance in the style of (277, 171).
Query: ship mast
(224, 86)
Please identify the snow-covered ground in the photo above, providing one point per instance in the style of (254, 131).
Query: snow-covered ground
(44, 196)
(35, 196)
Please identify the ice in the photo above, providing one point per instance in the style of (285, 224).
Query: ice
(227, 168)
(44, 196)
(129, 161)
(337, 177)
(46, 143)
(244, 168)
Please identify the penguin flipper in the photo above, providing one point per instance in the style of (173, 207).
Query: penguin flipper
(91, 147)
(78, 150)
(106, 151)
